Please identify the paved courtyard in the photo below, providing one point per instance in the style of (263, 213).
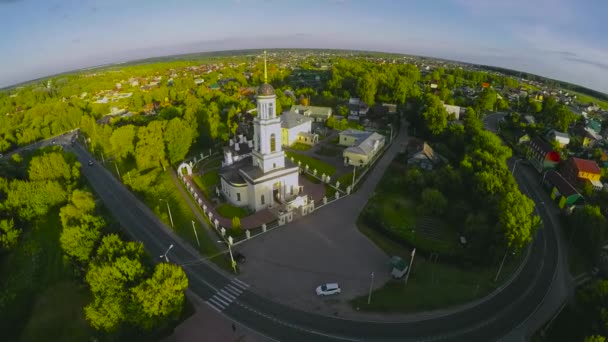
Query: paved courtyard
(288, 263)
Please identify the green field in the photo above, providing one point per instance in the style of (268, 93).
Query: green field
(432, 285)
(313, 164)
(582, 98)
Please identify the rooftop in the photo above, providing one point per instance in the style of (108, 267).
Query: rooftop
(311, 110)
(585, 165)
(542, 145)
(562, 185)
(293, 119)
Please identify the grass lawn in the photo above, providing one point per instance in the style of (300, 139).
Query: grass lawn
(230, 211)
(300, 147)
(313, 164)
(432, 285)
(207, 183)
(58, 315)
(345, 180)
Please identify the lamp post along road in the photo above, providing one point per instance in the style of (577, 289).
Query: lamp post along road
(167, 252)
(232, 262)
(501, 265)
(169, 210)
(196, 234)
(118, 172)
(409, 269)
(371, 286)
(515, 165)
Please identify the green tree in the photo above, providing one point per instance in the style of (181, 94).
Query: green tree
(159, 298)
(122, 141)
(487, 99)
(178, 137)
(434, 114)
(591, 228)
(433, 202)
(9, 234)
(366, 88)
(79, 241)
(517, 219)
(50, 166)
(236, 222)
(150, 149)
(595, 338)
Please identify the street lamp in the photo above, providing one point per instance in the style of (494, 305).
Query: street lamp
(409, 269)
(371, 285)
(391, 137)
(165, 255)
(515, 165)
(232, 262)
(169, 210)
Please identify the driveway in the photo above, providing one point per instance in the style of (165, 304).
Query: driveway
(288, 263)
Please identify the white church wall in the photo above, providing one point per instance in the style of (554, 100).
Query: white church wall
(289, 181)
(236, 195)
(292, 133)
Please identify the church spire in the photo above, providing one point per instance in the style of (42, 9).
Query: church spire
(265, 73)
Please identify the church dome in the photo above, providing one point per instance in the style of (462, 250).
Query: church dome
(265, 90)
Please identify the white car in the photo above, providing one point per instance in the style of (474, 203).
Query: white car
(328, 289)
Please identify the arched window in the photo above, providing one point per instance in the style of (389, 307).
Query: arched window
(273, 143)
(270, 111)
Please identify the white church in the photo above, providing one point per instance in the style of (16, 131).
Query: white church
(256, 173)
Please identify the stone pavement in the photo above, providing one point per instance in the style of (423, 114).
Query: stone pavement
(209, 325)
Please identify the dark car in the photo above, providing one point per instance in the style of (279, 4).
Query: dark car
(90, 162)
(240, 258)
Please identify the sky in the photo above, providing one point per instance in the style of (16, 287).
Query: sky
(561, 39)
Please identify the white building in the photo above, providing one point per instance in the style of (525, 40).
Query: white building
(265, 177)
(454, 110)
(362, 146)
(296, 128)
(562, 138)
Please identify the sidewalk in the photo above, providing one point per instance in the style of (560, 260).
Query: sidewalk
(209, 325)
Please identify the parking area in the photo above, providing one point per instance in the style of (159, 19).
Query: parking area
(287, 264)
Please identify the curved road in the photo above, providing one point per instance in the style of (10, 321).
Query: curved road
(488, 321)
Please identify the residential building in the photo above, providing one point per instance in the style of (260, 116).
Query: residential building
(421, 154)
(296, 128)
(361, 146)
(588, 136)
(582, 171)
(529, 119)
(357, 108)
(561, 190)
(318, 114)
(541, 155)
(456, 111)
(561, 138)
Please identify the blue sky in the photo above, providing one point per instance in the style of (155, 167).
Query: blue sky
(563, 39)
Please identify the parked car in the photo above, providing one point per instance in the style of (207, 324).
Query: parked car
(90, 162)
(328, 289)
(239, 257)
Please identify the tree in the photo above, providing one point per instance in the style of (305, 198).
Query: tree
(178, 137)
(563, 117)
(434, 114)
(366, 88)
(517, 219)
(9, 234)
(160, 297)
(236, 222)
(122, 141)
(487, 99)
(433, 202)
(595, 338)
(150, 149)
(591, 228)
(49, 166)
(79, 241)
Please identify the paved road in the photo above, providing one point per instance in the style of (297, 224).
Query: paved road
(62, 139)
(487, 321)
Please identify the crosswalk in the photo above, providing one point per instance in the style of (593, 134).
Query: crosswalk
(226, 295)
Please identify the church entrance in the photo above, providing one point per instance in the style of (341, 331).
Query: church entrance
(276, 192)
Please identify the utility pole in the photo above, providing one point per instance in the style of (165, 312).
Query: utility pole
(371, 285)
(169, 210)
(409, 269)
(118, 172)
(196, 234)
(501, 265)
(103, 160)
(354, 171)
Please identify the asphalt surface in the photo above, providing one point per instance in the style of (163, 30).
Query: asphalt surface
(488, 321)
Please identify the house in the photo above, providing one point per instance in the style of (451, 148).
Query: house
(318, 114)
(529, 119)
(362, 146)
(588, 136)
(296, 128)
(357, 107)
(595, 126)
(561, 190)
(541, 155)
(561, 138)
(582, 171)
(420, 154)
(454, 110)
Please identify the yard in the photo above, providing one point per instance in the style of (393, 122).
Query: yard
(329, 150)
(207, 183)
(230, 211)
(300, 147)
(313, 164)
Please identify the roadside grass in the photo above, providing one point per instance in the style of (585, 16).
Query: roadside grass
(582, 98)
(58, 315)
(345, 180)
(231, 211)
(29, 272)
(207, 183)
(313, 164)
(431, 285)
(300, 147)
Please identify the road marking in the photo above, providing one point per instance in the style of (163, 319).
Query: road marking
(223, 301)
(226, 294)
(216, 304)
(226, 298)
(237, 281)
(233, 289)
